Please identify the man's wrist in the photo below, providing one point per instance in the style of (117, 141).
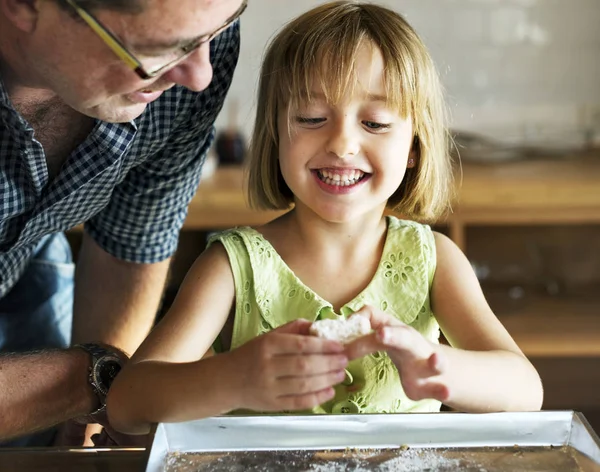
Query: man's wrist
(89, 401)
(105, 364)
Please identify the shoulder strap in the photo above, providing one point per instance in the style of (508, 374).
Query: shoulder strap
(258, 268)
(406, 268)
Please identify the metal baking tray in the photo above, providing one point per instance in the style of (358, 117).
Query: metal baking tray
(537, 441)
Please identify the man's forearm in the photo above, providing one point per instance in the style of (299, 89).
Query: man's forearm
(115, 301)
(41, 389)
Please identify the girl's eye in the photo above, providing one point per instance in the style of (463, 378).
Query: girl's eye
(309, 121)
(376, 126)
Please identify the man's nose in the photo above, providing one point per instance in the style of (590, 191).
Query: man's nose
(195, 71)
(343, 140)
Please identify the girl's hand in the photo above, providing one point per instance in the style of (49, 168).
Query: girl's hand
(287, 369)
(421, 363)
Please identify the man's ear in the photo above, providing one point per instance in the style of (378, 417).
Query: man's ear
(23, 14)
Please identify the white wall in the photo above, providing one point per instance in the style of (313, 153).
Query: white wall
(516, 69)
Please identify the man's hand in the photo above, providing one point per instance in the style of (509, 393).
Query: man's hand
(95, 432)
(81, 431)
(73, 434)
(421, 363)
(109, 437)
(287, 369)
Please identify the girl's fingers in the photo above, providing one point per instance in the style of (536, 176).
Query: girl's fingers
(363, 346)
(437, 391)
(284, 343)
(405, 341)
(436, 364)
(299, 326)
(377, 317)
(427, 389)
(305, 402)
(299, 386)
(401, 342)
(441, 393)
(307, 365)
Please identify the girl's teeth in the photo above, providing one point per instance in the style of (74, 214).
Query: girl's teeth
(345, 180)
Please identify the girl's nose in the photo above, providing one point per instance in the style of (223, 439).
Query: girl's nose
(343, 140)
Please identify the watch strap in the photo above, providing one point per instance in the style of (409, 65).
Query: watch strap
(96, 352)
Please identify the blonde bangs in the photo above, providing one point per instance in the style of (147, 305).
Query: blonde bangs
(325, 57)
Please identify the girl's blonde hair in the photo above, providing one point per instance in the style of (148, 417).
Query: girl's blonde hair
(321, 45)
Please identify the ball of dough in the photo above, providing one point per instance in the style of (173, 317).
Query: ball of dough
(343, 330)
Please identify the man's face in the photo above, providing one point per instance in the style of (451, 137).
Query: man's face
(75, 63)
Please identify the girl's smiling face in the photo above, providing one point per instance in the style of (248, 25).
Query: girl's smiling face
(345, 159)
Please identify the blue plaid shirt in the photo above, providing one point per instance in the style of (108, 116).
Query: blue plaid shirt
(130, 183)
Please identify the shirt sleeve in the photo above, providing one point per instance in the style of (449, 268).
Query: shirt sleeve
(147, 209)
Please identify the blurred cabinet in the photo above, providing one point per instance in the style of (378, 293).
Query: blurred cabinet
(564, 191)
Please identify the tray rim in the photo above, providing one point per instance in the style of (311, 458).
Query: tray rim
(574, 431)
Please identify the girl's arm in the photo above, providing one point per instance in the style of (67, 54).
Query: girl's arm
(162, 375)
(486, 371)
(483, 371)
(168, 381)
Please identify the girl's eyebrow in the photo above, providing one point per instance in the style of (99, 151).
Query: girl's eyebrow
(318, 95)
(376, 98)
(372, 97)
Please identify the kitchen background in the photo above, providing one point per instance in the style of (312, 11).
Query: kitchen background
(525, 70)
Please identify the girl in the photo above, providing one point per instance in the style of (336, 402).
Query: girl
(349, 123)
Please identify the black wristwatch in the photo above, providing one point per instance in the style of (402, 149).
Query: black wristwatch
(105, 366)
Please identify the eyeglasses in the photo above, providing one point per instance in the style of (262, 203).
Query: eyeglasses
(149, 67)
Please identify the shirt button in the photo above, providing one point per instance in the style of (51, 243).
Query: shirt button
(345, 407)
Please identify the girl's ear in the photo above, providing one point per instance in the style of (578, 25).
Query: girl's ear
(21, 13)
(414, 153)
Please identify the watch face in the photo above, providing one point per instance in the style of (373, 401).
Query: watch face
(105, 371)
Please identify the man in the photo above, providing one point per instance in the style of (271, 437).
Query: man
(106, 113)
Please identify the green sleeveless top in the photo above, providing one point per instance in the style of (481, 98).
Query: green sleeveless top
(268, 295)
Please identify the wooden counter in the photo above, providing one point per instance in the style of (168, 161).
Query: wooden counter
(73, 460)
(220, 203)
(565, 191)
(544, 326)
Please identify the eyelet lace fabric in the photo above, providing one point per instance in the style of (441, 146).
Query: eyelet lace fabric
(268, 295)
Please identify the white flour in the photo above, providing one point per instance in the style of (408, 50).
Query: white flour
(408, 461)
